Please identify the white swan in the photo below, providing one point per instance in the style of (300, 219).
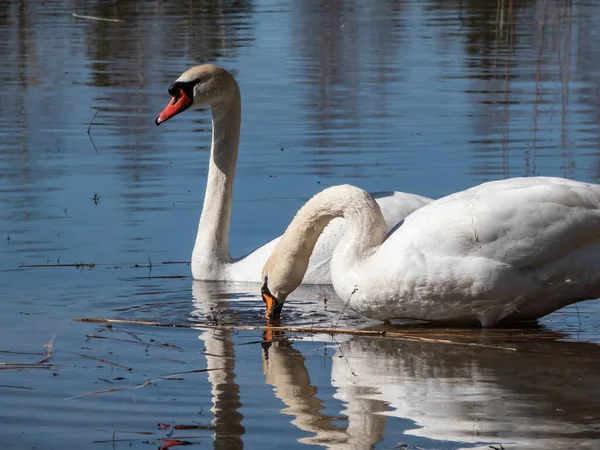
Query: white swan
(212, 85)
(517, 249)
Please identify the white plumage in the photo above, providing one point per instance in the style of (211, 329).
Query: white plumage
(516, 249)
(212, 85)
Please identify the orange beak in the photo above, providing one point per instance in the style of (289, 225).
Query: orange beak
(178, 103)
(273, 306)
(270, 303)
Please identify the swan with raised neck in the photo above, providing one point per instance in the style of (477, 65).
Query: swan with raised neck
(514, 249)
(209, 84)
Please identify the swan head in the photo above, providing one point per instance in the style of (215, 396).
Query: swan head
(282, 274)
(274, 305)
(206, 84)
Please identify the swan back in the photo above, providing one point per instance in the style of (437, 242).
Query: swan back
(523, 222)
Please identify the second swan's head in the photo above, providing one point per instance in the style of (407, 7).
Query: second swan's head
(284, 270)
(281, 275)
(201, 85)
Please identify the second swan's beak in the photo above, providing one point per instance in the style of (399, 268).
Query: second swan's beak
(274, 306)
(179, 103)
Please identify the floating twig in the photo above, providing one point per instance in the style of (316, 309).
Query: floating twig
(89, 130)
(216, 356)
(49, 349)
(102, 360)
(106, 391)
(17, 387)
(102, 19)
(92, 121)
(312, 330)
(160, 344)
(166, 426)
(160, 277)
(193, 371)
(144, 384)
(21, 353)
(10, 366)
(78, 265)
(135, 336)
(91, 265)
(171, 360)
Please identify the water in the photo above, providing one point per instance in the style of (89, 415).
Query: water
(420, 96)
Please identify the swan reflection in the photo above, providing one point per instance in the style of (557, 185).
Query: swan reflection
(224, 303)
(466, 396)
(431, 395)
(220, 361)
(285, 370)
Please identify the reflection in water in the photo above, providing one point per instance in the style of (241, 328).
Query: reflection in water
(346, 87)
(524, 112)
(228, 302)
(438, 95)
(220, 361)
(285, 370)
(224, 302)
(535, 397)
(227, 423)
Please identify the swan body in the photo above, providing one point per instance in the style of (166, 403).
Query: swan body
(212, 85)
(514, 249)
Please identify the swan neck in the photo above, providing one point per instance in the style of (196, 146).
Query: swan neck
(365, 231)
(212, 241)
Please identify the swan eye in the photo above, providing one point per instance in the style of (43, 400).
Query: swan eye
(179, 87)
(174, 90)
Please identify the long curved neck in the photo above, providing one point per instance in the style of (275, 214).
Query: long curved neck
(365, 231)
(212, 240)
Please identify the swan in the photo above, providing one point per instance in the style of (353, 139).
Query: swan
(209, 84)
(514, 249)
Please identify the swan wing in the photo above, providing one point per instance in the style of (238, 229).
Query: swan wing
(524, 222)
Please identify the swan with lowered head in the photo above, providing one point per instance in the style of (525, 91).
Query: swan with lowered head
(212, 85)
(514, 249)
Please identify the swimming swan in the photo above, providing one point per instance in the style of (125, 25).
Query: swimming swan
(212, 85)
(514, 249)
